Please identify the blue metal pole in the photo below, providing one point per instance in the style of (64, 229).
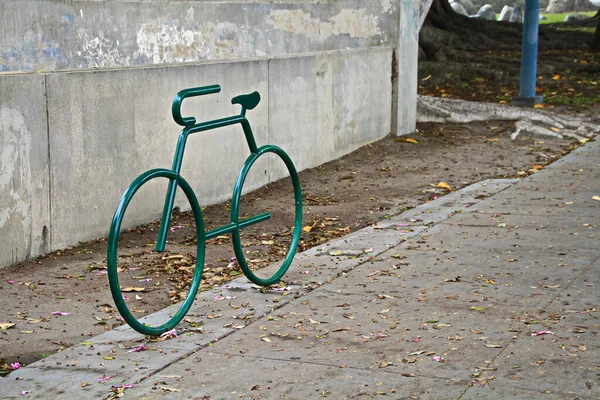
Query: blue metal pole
(529, 46)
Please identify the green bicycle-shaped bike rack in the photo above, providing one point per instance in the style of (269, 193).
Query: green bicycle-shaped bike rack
(247, 102)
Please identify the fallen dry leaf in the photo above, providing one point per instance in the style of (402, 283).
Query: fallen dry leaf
(168, 389)
(133, 289)
(444, 185)
(407, 140)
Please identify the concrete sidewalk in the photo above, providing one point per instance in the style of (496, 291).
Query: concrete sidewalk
(491, 292)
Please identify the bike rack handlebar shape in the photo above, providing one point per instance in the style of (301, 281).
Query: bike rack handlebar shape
(191, 92)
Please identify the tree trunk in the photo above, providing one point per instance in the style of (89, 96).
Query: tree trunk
(595, 46)
(448, 36)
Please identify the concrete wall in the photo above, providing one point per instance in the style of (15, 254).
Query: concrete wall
(93, 111)
(64, 34)
(24, 168)
(72, 141)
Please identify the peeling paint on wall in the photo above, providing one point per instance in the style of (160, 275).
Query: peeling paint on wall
(99, 50)
(170, 41)
(387, 6)
(354, 23)
(15, 174)
(35, 52)
(55, 35)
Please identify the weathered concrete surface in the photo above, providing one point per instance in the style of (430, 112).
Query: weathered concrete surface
(407, 54)
(326, 105)
(430, 311)
(51, 35)
(89, 111)
(108, 126)
(24, 170)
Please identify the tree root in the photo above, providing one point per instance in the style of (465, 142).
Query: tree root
(435, 109)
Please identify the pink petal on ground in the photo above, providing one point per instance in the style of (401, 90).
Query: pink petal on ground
(105, 378)
(24, 392)
(61, 313)
(171, 334)
(141, 347)
(539, 333)
(437, 358)
(15, 365)
(130, 385)
(10, 281)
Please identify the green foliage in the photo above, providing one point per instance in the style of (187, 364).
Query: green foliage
(553, 18)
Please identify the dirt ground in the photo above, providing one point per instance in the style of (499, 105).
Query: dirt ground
(58, 300)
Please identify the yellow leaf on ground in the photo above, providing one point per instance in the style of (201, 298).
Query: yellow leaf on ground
(426, 78)
(555, 129)
(537, 166)
(593, 198)
(584, 140)
(444, 185)
(133, 289)
(538, 106)
(556, 77)
(308, 228)
(5, 325)
(407, 140)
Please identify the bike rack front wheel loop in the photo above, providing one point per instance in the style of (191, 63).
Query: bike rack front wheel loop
(112, 256)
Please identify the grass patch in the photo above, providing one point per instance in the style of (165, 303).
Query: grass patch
(553, 18)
